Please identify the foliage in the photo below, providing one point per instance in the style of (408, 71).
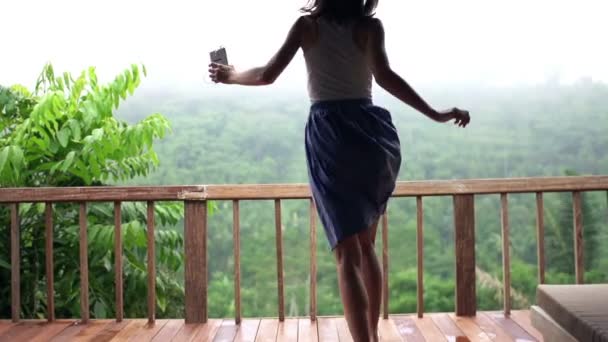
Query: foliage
(65, 134)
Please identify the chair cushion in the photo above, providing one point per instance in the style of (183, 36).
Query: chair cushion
(582, 310)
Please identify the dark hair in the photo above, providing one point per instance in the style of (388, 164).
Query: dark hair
(341, 9)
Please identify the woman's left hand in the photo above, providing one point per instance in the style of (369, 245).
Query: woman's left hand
(220, 73)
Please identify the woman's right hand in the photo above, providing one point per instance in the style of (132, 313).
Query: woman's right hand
(460, 117)
(220, 73)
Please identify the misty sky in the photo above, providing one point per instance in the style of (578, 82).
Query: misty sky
(429, 41)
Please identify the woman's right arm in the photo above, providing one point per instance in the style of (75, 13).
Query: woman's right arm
(397, 86)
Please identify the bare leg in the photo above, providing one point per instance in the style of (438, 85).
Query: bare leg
(352, 290)
(372, 277)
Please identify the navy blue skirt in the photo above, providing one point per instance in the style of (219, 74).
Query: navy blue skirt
(353, 156)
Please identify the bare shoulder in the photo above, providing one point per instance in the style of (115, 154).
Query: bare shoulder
(304, 22)
(306, 25)
(368, 29)
(374, 26)
(307, 18)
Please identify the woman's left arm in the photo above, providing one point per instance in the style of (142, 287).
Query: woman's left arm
(266, 74)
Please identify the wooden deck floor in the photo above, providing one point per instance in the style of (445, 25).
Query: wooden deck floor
(486, 326)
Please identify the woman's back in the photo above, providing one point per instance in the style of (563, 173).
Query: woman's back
(337, 65)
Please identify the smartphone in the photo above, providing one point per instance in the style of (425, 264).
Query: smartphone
(219, 56)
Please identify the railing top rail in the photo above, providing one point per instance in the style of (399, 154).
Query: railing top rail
(501, 185)
(297, 191)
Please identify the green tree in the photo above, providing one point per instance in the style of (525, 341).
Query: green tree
(65, 134)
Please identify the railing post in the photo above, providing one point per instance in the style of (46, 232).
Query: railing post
(420, 256)
(15, 264)
(540, 235)
(118, 281)
(50, 276)
(84, 264)
(236, 235)
(195, 235)
(385, 292)
(279, 245)
(579, 261)
(506, 253)
(464, 224)
(151, 264)
(313, 260)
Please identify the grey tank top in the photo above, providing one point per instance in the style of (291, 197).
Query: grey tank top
(337, 68)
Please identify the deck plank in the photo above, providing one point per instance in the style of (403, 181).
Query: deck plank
(30, 330)
(106, 333)
(74, 329)
(522, 317)
(89, 332)
(470, 328)
(307, 330)
(67, 333)
(248, 329)
(129, 330)
(343, 332)
(267, 332)
(5, 325)
(388, 331)
(288, 330)
(209, 330)
(512, 328)
(445, 324)
(149, 330)
(328, 332)
(491, 328)
(169, 330)
(16, 331)
(187, 332)
(50, 330)
(227, 331)
(428, 329)
(408, 329)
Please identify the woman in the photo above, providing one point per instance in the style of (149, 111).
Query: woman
(352, 148)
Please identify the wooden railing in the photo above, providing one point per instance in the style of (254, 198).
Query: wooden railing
(195, 231)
